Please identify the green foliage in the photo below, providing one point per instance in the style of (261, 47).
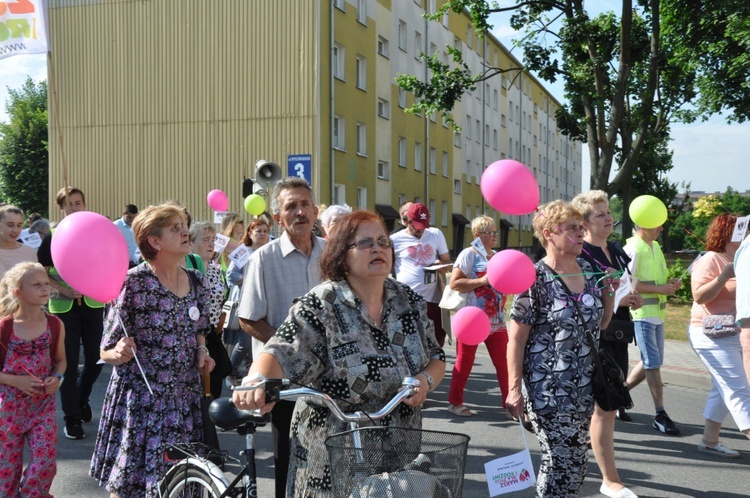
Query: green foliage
(24, 160)
(684, 293)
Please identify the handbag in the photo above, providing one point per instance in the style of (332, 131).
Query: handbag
(608, 382)
(231, 308)
(452, 300)
(511, 473)
(718, 326)
(619, 331)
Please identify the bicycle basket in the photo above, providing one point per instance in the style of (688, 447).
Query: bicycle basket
(396, 462)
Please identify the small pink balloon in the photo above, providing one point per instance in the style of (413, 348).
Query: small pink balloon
(218, 200)
(471, 325)
(511, 272)
(91, 255)
(510, 187)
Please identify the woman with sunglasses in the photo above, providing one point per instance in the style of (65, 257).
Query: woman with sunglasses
(355, 323)
(470, 275)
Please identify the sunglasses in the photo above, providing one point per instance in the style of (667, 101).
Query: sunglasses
(368, 244)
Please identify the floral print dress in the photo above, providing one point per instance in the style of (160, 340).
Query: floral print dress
(135, 425)
(330, 343)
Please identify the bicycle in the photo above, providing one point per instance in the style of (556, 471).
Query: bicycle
(197, 476)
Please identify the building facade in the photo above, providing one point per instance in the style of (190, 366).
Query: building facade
(169, 99)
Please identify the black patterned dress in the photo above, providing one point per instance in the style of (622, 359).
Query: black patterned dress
(330, 343)
(135, 426)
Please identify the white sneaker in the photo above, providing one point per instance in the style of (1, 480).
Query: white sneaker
(718, 450)
(623, 493)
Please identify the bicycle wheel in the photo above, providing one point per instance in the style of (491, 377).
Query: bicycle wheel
(192, 482)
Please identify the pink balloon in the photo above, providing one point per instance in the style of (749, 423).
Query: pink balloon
(510, 187)
(218, 200)
(471, 325)
(91, 255)
(511, 272)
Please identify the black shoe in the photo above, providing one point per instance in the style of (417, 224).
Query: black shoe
(86, 414)
(623, 415)
(73, 429)
(663, 423)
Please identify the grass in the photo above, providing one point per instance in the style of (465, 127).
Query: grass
(676, 323)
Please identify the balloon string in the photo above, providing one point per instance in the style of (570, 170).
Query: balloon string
(143, 374)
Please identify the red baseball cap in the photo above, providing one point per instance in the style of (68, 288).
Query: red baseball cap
(419, 216)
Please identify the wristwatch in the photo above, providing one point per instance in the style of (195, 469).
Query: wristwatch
(430, 381)
(59, 376)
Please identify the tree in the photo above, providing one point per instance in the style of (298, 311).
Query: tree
(24, 159)
(622, 83)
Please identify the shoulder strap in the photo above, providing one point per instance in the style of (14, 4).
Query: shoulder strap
(194, 280)
(6, 327)
(54, 328)
(620, 254)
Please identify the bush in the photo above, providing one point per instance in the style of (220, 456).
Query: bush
(684, 294)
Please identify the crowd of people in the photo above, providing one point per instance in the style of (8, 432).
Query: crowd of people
(338, 303)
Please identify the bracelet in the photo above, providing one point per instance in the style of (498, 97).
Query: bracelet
(204, 348)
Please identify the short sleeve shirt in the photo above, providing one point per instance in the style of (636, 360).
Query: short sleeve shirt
(742, 270)
(413, 255)
(558, 360)
(474, 265)
(277, 274)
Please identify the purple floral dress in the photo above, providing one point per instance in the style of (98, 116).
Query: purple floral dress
(135, 426)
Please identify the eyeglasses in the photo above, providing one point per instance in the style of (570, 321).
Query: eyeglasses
(260, 232)
(492, 233)
(368, 244)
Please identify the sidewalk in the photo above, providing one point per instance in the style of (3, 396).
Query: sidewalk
(681, 367)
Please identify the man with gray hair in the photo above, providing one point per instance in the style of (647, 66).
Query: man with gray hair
(279, 272)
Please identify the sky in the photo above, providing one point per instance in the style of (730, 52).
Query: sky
(710, 155)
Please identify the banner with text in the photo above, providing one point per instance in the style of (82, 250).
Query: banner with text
(23, 27)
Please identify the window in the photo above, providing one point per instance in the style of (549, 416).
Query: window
(510, 112)
(401, 98)
(445, 19)
(502, 120)
(487, 94)
(361, 73)
(456, 186)
(417, 44)
(361, 139)
(384, 170)
(339, 193)
(432, 207)
(402, 35)
(469, 35)
(338, 61)
(433, 7)
(468, 126)
(417, 156)
(433, 161)
(495, 141)
(457, 43)
(339, 4)
(457, 140)
(468, 211)
(486, 135)
(383, 46)
(384, 108)
(361, 197)
(433, 49)
(362, 11)
(402, 152)
(338, 133)
(495, 99)
(444, 212)
(445, 164)
(478, 130)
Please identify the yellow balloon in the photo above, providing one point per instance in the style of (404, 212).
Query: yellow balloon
(648, 211)
(255, 204)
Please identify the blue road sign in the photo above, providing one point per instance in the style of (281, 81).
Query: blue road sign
(300, 165)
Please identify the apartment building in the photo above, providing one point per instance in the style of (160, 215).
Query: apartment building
(169, 99)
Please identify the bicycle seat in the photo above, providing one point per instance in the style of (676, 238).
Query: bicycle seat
(226, 416)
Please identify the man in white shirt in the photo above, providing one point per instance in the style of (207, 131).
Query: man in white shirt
(124, 224)
(416, 247)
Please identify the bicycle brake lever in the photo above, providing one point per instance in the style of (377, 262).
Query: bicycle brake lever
(273, 386)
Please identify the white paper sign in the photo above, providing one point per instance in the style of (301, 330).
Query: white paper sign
(623, 290)
(740, 229)
(240, 256)
(219, 215)
(221, 243)
(32, 240)
(510, 473)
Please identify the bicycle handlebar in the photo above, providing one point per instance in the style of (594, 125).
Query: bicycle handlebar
(274, 393)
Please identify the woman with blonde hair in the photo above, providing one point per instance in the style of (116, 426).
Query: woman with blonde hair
(470, 275)
(550, 356)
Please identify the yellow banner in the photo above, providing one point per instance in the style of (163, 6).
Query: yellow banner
(23, 29)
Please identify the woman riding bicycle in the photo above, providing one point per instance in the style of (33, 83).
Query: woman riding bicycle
(355, 337)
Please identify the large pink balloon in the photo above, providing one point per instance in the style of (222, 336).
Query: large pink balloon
(91, 255)
(471, 325)
(510, 187)
(511, 272)
(218, 200)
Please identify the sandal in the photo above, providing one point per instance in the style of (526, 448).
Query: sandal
(460, 410)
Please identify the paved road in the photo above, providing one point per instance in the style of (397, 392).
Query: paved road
(652, 464)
